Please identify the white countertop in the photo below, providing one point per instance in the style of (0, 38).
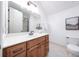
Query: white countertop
(12, 40)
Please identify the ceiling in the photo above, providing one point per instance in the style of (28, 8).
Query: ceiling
(53, 7)
(24, 8)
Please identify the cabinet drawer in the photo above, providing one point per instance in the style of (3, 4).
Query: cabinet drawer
(16, 49)
(46, 48)
(35, 42)
(32, 52)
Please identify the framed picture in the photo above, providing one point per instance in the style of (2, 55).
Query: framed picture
(72, 23)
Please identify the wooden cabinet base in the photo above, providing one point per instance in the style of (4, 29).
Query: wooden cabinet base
(16, 50)
(38, 47)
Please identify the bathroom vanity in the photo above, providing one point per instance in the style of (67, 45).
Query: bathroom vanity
(17, 42)
(36, 45)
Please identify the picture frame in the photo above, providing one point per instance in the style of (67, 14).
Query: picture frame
(72, 23)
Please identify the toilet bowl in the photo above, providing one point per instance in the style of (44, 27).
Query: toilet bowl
(74, 49)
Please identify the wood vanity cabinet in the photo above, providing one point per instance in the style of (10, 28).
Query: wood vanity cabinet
(16, 50)
(37, 47)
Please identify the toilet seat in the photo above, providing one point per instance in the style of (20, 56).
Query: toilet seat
(73, 47)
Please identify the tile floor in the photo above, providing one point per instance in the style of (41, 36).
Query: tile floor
(58, 51)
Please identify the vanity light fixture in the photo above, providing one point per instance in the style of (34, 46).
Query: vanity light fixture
(29, 3)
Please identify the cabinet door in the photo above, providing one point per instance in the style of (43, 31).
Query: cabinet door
(42, 50)
(39, 51)
(33, 52)
(46, 49)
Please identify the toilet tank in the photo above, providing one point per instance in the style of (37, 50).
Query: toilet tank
(72, 40)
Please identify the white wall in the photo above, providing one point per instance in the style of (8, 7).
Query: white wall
(56, 25)
(2, 21)
(43, 19)
(0, 26)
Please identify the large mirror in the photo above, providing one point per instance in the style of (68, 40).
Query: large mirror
(20, 19)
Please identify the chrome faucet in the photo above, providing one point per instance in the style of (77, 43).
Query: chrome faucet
(31, 32)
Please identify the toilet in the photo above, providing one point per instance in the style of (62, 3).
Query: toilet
(73, 47)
